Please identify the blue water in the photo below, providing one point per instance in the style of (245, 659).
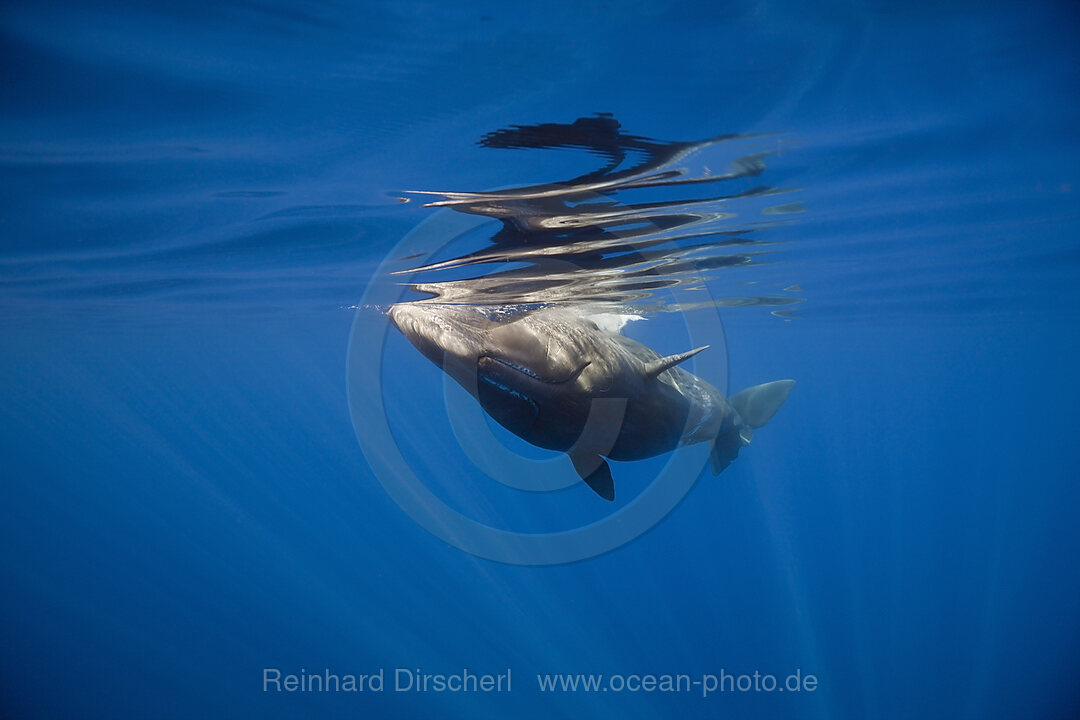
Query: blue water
(196, 198)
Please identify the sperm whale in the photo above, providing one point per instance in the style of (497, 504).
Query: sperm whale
(560, 381)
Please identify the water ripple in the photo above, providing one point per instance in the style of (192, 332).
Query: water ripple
(647, 221)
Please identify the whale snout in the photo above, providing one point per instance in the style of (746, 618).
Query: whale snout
(406, 318)
(441, 333)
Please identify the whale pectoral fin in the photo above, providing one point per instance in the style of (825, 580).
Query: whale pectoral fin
(596, 473)
(597, 438)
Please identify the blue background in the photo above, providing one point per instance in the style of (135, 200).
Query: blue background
(193, 196)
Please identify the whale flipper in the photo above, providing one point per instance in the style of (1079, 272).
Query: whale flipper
(596, 473)
(756, 405)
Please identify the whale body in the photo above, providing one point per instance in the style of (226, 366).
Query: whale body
(557, 379)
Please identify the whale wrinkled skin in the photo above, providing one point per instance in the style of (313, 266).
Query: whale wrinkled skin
(556, 379)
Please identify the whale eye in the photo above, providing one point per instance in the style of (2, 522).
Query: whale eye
(601, 375)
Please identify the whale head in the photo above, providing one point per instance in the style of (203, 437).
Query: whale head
(447, 335)
(465, 341)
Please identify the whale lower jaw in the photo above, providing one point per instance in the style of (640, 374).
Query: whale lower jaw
(487, 361)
